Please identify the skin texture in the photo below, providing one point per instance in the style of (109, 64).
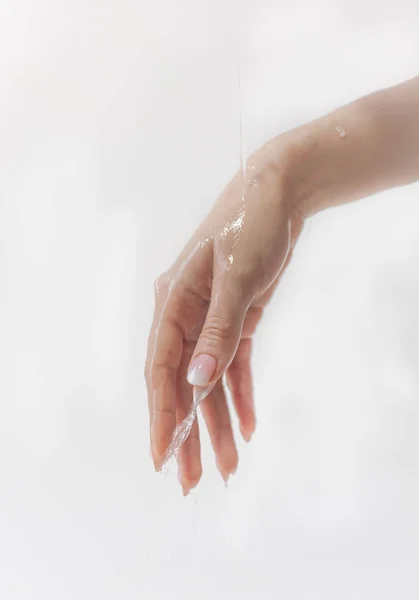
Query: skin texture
(212, 298)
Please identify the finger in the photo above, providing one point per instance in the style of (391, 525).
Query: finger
(166, 353)
(239, 380)
(189, 455)
(150, 350)
(217, 418)
(251, 321)
(189, 460)
(161, 292)
(220, 335)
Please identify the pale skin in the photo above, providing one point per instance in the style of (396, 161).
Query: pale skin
(210, 301)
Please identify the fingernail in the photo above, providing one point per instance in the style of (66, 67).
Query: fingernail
(201, 370)
(226, 473)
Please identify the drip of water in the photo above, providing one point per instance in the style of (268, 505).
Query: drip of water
(341, 131)
(183, 430)
(239, 83)
(228, 515)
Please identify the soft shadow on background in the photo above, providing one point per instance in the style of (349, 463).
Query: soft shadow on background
(119, 127)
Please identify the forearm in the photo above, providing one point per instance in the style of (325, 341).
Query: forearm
(360, 149)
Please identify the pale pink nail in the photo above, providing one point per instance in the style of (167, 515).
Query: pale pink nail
(201, 370)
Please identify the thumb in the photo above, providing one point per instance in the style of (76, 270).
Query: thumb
(220, 335)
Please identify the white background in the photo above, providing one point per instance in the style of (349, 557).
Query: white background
(119, 126)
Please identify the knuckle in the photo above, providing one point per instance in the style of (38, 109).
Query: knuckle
(161, 374)
(218, 329)
(165, 410)
(241, 284)
(161, 284)
(247, 279)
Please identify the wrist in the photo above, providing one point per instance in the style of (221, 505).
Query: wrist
(280, 157)
(292, 156)
(331, 160)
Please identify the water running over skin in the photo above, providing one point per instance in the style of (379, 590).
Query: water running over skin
(183, 430)
(341, 131)
(239, 83)
(233, 229)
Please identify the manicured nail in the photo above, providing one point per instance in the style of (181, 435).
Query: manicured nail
(201, 370)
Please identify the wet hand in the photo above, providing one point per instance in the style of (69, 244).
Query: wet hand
(207, 307)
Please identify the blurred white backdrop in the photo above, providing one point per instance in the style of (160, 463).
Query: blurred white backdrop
(119, 126)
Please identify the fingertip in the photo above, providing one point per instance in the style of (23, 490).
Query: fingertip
(247, 433)
(158, 453)
(189, 475)
(192, 480)
(157, 463)
(189, 484)
(247, 436)
(226, 477)
(228, 467)
(201, 370)
(185, 489)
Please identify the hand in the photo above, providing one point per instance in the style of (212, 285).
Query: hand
(210, 301)
(207, 307)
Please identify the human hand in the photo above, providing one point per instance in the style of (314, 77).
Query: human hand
(210, 301)
(207, 307)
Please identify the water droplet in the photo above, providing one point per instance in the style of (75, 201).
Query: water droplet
(341, 131)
